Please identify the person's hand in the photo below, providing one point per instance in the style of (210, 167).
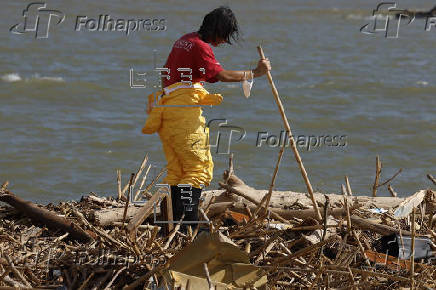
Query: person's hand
(263, 66)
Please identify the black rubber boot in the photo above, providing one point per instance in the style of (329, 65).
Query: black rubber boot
(176, 203)
(191, 209)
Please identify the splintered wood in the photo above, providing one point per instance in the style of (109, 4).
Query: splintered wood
(273, 239)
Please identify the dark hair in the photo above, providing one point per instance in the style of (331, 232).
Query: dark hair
(220, 23)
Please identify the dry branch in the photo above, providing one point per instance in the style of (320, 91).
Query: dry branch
(41, 215)
(377, 175)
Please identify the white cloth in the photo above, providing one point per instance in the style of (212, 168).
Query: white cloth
(247, 85)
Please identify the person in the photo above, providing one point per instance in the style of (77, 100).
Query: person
(177, 117)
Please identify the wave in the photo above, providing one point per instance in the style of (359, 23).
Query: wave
(15, 77)
(10, 78)
(422, 83)
(353, 16)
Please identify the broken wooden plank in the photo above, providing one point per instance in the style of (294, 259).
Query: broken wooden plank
(143, 213)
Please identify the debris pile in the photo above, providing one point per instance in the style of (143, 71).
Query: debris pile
(249, 239)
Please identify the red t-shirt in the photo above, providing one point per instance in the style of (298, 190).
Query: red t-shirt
(191, 56)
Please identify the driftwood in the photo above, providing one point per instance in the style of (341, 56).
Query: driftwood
(220, 207)
(143, 213)
(357, 222)
(50, 219)
(108, 216)
(101, 201)
(378, 228)
(298, 253)
(280, 204)
(280, 201)
(287, 199)
(279, 231)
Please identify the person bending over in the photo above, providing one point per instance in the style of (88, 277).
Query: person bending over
(178, 119)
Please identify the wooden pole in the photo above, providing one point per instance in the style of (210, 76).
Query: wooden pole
(128, 196)
(412, 252)
(429, 176)
(347, 183)
(120, 192)
(267, 197)
(392, 191)
(347, 208)
(377, 175)
(291, 138)
(166, 212)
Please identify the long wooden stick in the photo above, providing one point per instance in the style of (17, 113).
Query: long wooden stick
(143, 213)
(377, 175)
(347, 183)
(120, 192)
(412, 251)
(291, 138)
(138, 173)
(144, 177)
(390, 179)
(128, 197)
(267, 197)
(347, 208)
(206, 271)
(429, 176)
(392, 191)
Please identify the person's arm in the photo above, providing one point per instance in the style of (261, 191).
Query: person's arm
(239, 75)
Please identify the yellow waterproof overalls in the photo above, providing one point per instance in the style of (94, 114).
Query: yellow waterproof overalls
(182, 129)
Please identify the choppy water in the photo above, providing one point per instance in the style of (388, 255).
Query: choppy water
(68, 118)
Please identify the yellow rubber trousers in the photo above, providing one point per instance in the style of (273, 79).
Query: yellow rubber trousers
(182, 129)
